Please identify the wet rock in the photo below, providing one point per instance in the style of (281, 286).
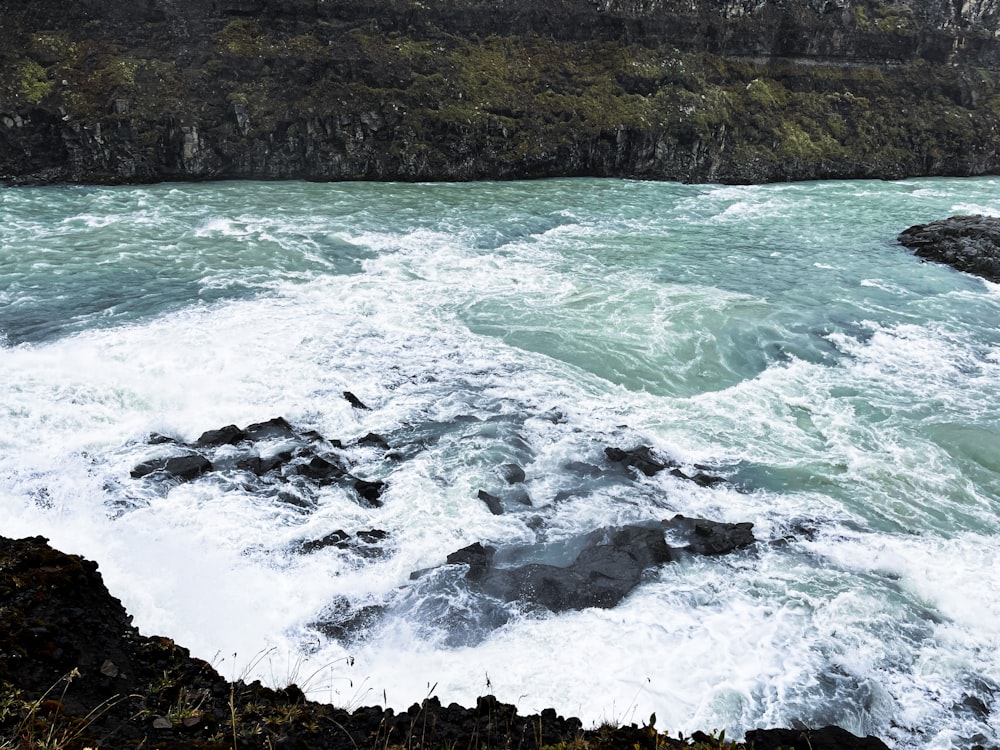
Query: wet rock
(186, 467)
(511, 473)
(492, 502)
(339, 539)
(640, 458)
(706, 537)
(699, 478)
(321, 470)
(374, 440)
(967, 243)
(356, 402)
(601, 575)
(477, 556)
(228, 435)
(827, 738)
(370, 490)
(342, 621)
(276, 428)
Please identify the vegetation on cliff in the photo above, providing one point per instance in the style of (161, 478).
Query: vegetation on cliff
(467, 90)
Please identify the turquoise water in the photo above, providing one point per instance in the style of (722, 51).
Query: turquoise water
(777, 334)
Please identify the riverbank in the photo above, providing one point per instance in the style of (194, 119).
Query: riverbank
(76, 673)
(469, 91)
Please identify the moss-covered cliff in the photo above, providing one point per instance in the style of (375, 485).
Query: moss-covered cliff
(738, 91)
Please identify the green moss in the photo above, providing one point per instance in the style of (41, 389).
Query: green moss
(33, 82)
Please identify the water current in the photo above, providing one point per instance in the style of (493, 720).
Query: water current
(777, 335)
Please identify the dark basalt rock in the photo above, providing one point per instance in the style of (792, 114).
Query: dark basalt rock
(277, 428)
(307, 454)
(607, 569)
(370, 491)
(356, 402)
(706, 537)
(184, 467)
(511, 473)
(641, 458)
(492, 502)
(827, 738)
(967, 243)
(228, 435)
(477, 556)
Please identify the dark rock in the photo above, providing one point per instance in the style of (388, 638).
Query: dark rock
(511, 473)
(156, 438)
(342, 621)
(148, 467)
(477, 556)
(492, 502)
(355, 401)
(375, 440)
(372, 536)
(601, 575)
(273, 429)
(370, 490)
(229, 435)
(184, 467)
(640, 458)
(339, 539)
(712, 537)
(827, 738)
(967, 243)
(699, 478)
(320, 470)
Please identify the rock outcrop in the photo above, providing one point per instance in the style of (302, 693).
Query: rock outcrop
(712, 90)
(968, 243)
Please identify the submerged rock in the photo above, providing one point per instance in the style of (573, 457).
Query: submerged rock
(967, 243)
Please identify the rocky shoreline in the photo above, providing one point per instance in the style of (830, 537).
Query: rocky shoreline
(75, 673)
(709, 91)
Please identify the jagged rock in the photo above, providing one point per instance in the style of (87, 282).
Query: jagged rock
(370, 490)
(492, 502)
(321, 470)
(276, 428)
(339, 539)
(229, 435)
(375, 440)
(967, 243)
(356, 402)
(184, 467)
(640, 458)
(706, 537)
(477, 556)
(601, 575)
(511, 473)
(827, 738)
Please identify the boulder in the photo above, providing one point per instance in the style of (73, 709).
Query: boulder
(706, 537)
(603, 574)
(967, 243)
(641, 459)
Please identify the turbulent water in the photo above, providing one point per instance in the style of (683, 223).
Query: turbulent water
(775, 334)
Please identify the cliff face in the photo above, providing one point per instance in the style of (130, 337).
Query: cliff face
(727, 90)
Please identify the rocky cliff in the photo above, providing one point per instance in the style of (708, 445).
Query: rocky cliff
(701, 90)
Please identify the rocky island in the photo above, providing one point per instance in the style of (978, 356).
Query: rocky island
(713, 90)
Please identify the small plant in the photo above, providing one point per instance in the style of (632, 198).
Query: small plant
(42, 725)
